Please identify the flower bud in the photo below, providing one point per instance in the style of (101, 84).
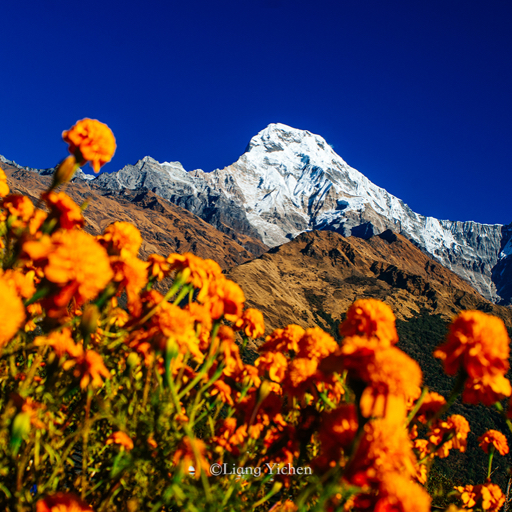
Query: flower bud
(90, 319)
(20, 430)
(65, 171)
(264, 390)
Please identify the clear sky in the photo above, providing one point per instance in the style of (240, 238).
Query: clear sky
(417, 95)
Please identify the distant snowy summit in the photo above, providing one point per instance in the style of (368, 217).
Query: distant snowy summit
(289, 181)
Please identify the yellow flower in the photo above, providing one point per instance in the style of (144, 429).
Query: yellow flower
(91, 141)
(4, 188)
(62, 502)
(121, 439)
(121, 237)
(495, 439)
(12, 312)
(371, 318)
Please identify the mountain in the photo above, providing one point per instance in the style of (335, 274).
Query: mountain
(289, 181)
(165, 227)
(313, 279)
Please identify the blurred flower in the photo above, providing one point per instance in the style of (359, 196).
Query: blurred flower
(20, 207)
(477, 342)
(91, 141)
(62, 208)
(488, 389)
(62, 502)
(286, 506)
(338, 429)
(121, 237)
(159, 267)
(371, 318)
(22, 282)
(91, 367)
(225, 298)
(132, 275)
(493, 438)
(65, 171)
(61, 342)
(185, 456)
(121, 439)
(251, 323)
(274, 363)
(4, 188)
(397, 493)
(316, 344)
(12, 312)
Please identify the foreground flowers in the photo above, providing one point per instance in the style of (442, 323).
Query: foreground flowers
(123, 382)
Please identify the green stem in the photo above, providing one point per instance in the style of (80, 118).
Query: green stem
(417, 406)
(491, 455)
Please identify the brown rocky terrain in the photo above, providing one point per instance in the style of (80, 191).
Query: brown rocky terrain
(313, 279)
(165, 227)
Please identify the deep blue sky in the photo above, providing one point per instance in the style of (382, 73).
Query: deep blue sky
(415, 95)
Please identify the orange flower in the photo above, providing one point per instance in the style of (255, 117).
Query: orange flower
(371, 318)
(287, 506)
(22, 282)
(338, 428)
(450, 433)
(494, 439)
(12, 312)
(159, 267)
(91, 367)
(121, 439)
(431, 404)
(121, 237)
(226, 298)
(61, 342)
(191, 452)
(316, 344)
(274, 363)
(385, 448)
(91, 141)
(489, 389)
(230, 437)
(301, 373)
(18, 206)
(398, 493)
(61, 502)
(488, 496)
(132, 274)
(392, 378)
(251, 323)
(477, 342)
(62, 208)
(283, 340)
(4, 188)
(76, 263)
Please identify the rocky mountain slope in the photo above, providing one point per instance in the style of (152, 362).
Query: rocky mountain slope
(313, 279)
(289, 181)
(165, 227)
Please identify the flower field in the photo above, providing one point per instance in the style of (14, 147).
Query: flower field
(122, 386)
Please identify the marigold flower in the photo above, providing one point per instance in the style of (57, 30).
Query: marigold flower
(251, 323)
(159, 267)
(230, 437)
(191, 452)
(450, 433)
(286, 506)
(121, 439)
(76, 263)
(338, 428)
(22, 282)
(62, 208)
(62, 502)
(18, 206)
(132, 274)
(392, 378)
(489, 389)
(4, 188)
(494, 439)
(431, 405)
(92, 368)
(301, 373)
(91, 141)
(488, 496)
(283, 340)
(274, 363)
(477, 342)
(385, 448)
(316, 344)
(12, 312)
(398, 493)
(226, 298)
(61, 342)
(371, 318)
(121, 237)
